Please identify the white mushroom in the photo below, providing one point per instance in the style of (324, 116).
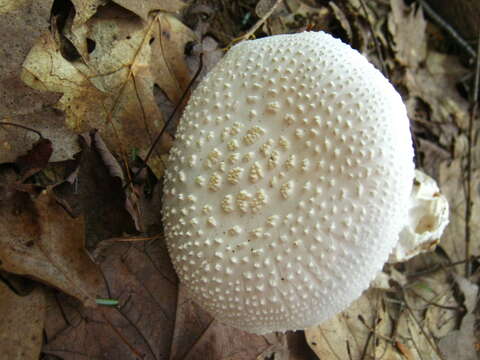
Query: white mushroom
(288, 182)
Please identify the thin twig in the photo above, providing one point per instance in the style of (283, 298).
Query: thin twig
(375, 41)
(433, 345)
(259, 23)
(6, 123)
(471, 140)
(448, 28)
(373, 330)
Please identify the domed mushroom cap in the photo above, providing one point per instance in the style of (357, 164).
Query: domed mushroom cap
(288, 182)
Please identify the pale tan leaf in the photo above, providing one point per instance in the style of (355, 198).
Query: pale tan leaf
(452, 177)
(349, 334)
(407, 27)
(145, 7)
(112, 89)
(85, 9)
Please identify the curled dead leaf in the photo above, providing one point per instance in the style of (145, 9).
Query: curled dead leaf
(40, 240)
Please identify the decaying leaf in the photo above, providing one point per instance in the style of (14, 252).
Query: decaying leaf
(22, 323)
(429, 307)
(35, 159)
(95, 190)
(40, 240)
(197, 333)
(452, 177)
(21, 22)
(111, 87)
(85, 9)
(364, 328)
(460, 344)
(143, 281)
(144, 8)
(301, 16)
(407, 26)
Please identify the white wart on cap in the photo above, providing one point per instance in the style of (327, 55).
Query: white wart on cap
(288, 182)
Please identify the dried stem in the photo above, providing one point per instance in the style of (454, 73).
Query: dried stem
(448, 28)
(471, 140)
(6, 123)
(375, 41)
(169, 120)
(259, 23)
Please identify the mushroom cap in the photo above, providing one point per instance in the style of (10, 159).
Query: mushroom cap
(288, 182)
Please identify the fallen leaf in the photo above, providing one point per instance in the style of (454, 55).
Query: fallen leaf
(197, 335)
(141, 278)
(40, 240)
(451, 181)
(22, 323)
(460, 344)
(220, 341)
(112, 88)
(145, 7)
(348, 335)
(21, 22)
(407, 26)
(35, 159)
(435, 84)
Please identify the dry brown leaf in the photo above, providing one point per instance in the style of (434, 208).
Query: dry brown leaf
(142, 279)
(145, 7)
(300, 17)
(85, 9)
(435, 83)
(96, 190)
(22, 323)
(224, 342)
(451, 181)
(40, 240)
(21, 22)
(431, 296)
(198, 335)
(460, 344)
(112, 88)
(407, 27)
(349, 334)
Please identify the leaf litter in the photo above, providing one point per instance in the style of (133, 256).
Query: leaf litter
(98, 71)
(118, 59)
(22, 323)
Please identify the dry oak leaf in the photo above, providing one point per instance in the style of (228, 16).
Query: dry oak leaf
(111, 87)
(21, 22)
(40, 240)
(22, 323)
